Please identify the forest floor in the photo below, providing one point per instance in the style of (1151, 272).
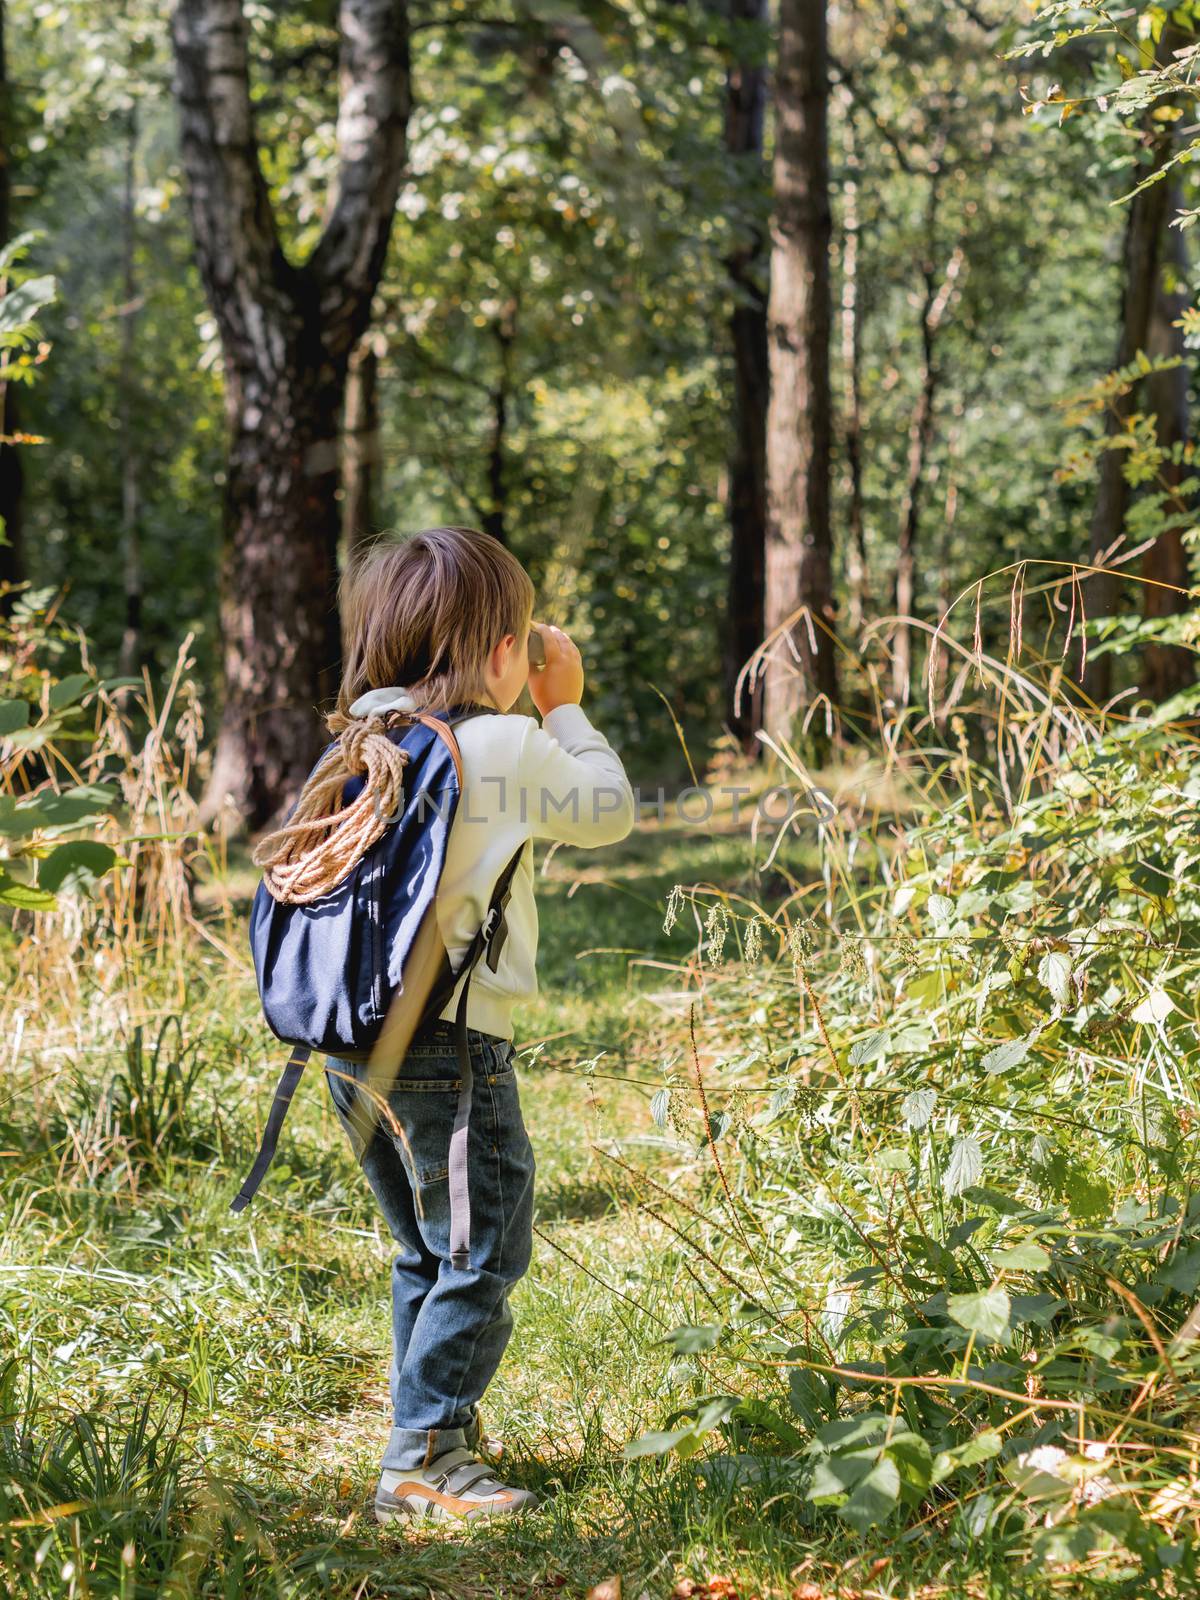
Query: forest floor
(267, 1333)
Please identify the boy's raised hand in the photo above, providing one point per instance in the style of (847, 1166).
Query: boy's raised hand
(560, 681)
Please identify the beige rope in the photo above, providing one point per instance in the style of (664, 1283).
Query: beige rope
(322, 841)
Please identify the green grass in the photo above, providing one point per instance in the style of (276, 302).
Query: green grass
(197, 1400)
(194, 1402)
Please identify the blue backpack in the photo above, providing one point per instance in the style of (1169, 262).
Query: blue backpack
(355, 969)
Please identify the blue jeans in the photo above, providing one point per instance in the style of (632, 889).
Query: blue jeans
(450, 1325)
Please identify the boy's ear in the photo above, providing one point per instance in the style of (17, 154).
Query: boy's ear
(502, 653)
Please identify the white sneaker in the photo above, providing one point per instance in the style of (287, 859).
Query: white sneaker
(456, 1484)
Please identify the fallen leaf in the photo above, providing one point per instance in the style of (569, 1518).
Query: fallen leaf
(607, 1589)
(808, 1591)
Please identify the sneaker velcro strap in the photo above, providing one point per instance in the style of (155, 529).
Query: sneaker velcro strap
(461, 1480)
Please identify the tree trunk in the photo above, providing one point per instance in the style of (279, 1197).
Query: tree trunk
(280, 556)
(495, 515)
(1149, 214)
(131, 637)
(287, 332)
(934, 306)
(857, 575)
(939, 662)
(1168, 668)
(361, 451)
(12, 566)
(746, 265)
(799, 557)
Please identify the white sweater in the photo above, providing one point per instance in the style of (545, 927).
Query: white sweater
(560, 781)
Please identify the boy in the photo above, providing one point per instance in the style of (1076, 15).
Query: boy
(442, 621)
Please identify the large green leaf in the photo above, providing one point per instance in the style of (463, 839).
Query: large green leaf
(985, 1314)
(73, 807)
(941, 909)
(74, 868)
(687, 1440)
(1023, 1257)
(17, 822)
(20, 306)
(874, 1499)
(868, 1049)
(983, 1447)
(914, 1462)
(656, 1444)
(917, 1108)
(14, 714)
(1054, 970)
(67, 690)
(1003, 1056)
(965, 1167)
(689, 1340)
(868, 1427)
(24, 896)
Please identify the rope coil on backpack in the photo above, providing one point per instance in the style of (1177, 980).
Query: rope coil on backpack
(323, 841)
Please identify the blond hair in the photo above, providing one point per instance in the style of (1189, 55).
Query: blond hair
(424, 613)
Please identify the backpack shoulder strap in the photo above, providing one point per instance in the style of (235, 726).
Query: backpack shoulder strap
(445, 732)
(284, 1091)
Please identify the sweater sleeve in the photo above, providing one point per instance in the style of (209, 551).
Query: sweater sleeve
(574, 788)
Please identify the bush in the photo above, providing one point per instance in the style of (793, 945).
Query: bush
(957, 1250)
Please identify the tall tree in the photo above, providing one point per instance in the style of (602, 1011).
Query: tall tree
(1150, 213)
(11, 476)
(935, 301)
(495, 513)
(361, 449)
(851, 318)
(799, 560)
(1169, 668)
(127, 380)
(287, 331)
(746, 263)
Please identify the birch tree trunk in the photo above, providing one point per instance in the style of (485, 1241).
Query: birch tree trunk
(799, 557)
(745, 98)
(287, 331)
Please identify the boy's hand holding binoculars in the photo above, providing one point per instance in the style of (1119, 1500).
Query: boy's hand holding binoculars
(559, 682)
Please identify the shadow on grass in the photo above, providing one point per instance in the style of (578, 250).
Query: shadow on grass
(576, 1200)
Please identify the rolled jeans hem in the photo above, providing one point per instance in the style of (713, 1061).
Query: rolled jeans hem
(411, 1449)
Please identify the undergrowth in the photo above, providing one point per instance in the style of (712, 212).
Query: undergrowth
(868, 1237)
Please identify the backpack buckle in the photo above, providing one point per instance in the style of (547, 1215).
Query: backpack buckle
(495, 936)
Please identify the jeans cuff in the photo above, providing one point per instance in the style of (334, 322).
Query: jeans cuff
(411, 1449)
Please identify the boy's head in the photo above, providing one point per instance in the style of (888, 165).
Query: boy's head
(444, 613)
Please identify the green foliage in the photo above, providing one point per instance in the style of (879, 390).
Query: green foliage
(42, 715)
(987, 1161)
(555, 357)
